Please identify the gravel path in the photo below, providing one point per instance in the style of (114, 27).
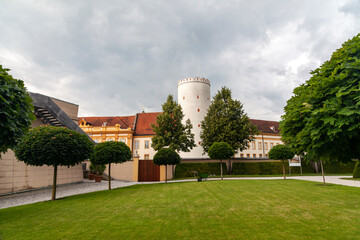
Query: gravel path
(91, 186)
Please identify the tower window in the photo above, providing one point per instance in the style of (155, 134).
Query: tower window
(197, 96)
(198, 109)
(183, 97)
(198, 125)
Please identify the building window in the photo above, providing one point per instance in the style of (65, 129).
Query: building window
(260, 155)
(96, 140)
(199, 125)
(146, 157)
(248, 155)
(254, 155)
(266, 156)
(198, 109)
(136, 144)
(183, 97)
(147, 143)
(271, 145)
(266, 146)
(122, 140)
(241, 155)
(277, 143)
(259, 145)
(253, 145)
(197, 96)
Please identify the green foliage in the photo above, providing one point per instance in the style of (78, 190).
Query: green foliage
(186, 169)
(220, 151)
(266, 168)
(166, 156)
(323, 116)
(111, 152)
(97, 168)
(169, 129)
(281, 152)
(356, 173)
(226, 121)
(52, 146)
(16, 111)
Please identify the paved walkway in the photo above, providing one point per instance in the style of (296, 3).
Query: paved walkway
(91, 186)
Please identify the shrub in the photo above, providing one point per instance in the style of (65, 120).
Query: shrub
(356, 173)
(184, 169)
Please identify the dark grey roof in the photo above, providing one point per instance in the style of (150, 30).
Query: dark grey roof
(52, 114)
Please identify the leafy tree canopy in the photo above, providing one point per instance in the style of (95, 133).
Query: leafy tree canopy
(169, 129)
(220, 151)
(52, 146)
(111, 152)
(227, 122)
(281, 152)
(166, 156)
(323, 117)
(16, 111)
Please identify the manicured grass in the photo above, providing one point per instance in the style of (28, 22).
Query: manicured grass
(246, 209)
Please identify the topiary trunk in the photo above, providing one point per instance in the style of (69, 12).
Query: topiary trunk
(109, 177)
(322, 172)
(54, 184)
(356, 173)
(283, 165)
(221, 170)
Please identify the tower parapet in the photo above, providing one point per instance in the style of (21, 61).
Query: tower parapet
(195, 79)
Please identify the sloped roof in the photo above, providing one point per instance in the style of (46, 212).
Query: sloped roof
(144, 120)
(266, 126)
(143, 123)
(125, 122)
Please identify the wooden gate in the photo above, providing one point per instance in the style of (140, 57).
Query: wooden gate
(148, 171)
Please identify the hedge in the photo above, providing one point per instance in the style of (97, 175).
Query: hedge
(185, 169)
(259, 168)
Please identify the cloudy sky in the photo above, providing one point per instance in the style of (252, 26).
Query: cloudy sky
(117, 57)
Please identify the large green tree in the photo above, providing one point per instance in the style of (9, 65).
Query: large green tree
(111, 152)
(227, 122)
(16, 111)
(53, 146)
(221, 151)
(322, 118)
(169, 129)
(281, 152)
(166, 156)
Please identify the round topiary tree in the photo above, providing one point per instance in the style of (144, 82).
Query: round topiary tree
(16, 112)
(166, 156)
(356, 173)
(53, 146)
(281, 152)
(111, 152)
(220, 151)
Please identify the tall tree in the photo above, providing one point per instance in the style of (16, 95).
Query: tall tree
(221, 151)
(166, 156)
(322, 119)
(16, 111)
(169, 129)
(281, 152)
(53, 146)
(227, 122)
(111, 152)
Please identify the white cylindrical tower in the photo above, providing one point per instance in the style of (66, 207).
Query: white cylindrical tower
(194, 98)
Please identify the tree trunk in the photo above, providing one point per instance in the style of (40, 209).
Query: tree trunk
(221, 170)
(322, 172)
(54, 184)
(229, 167)
(109, 177)
(283, 163)
(165, 173)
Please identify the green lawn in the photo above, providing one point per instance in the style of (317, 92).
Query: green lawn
(246, 209)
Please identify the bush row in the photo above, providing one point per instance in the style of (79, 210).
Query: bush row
(258, 168)
(185, 169)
